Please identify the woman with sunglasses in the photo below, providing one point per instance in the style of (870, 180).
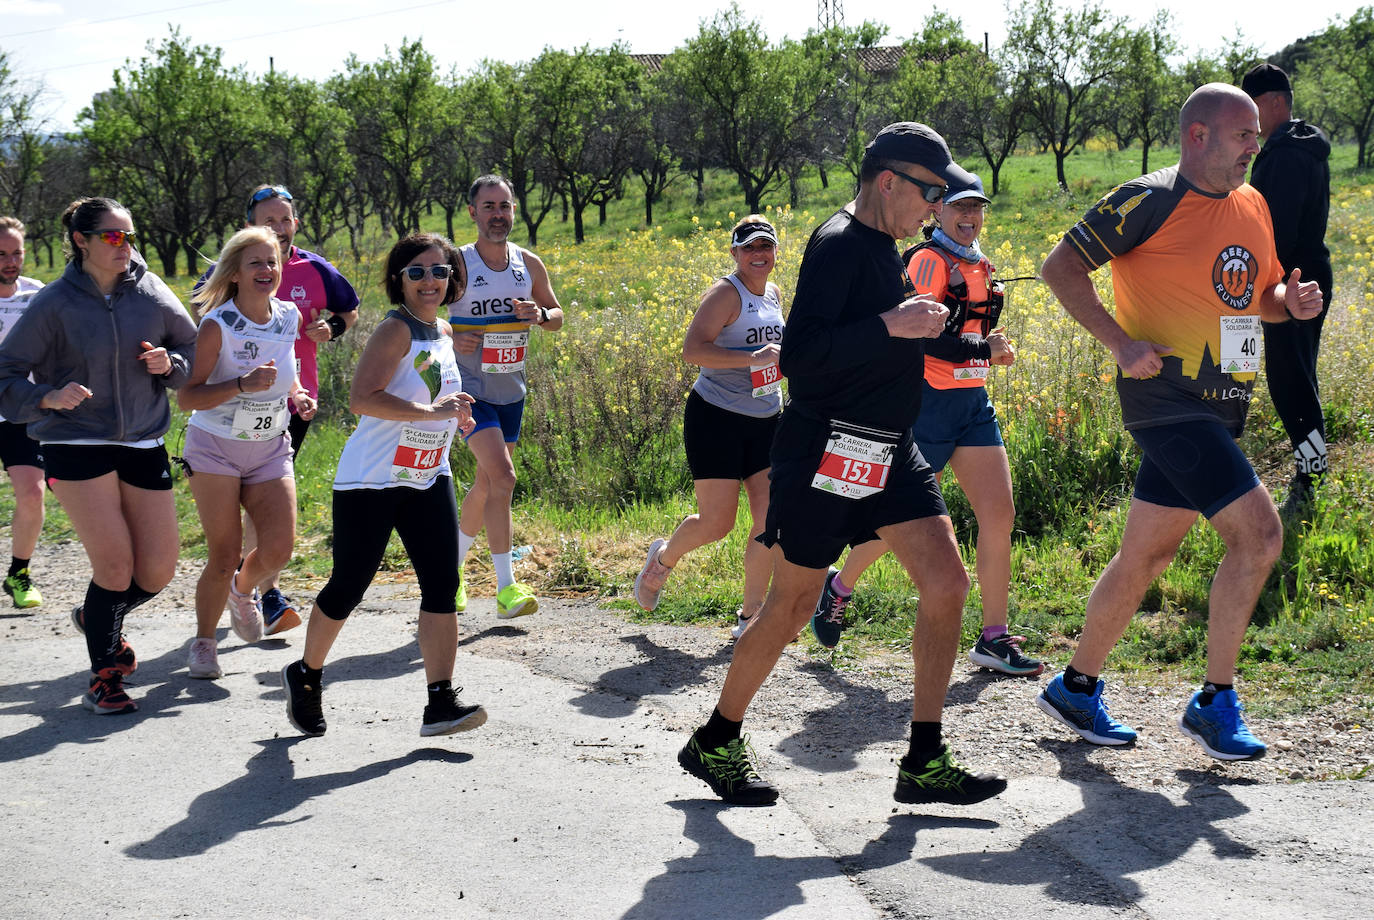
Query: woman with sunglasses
(730, 415)
(394, 475)
(104, 343)
(238, 450)
(958, 425)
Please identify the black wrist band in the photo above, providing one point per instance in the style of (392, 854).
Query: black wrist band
(337, 326)
(239, 381)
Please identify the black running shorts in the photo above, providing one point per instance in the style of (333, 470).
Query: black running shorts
(722, 444)
(17, 448)
(140, 467)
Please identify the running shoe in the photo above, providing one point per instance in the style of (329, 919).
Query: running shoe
(1085, 713)
(278, 613)
(245, 613)
(106, 697)
(125, 659)
(449, 716)
(828, 620)
(1220, 728)
(729, 771)
(304, 701)
(202, 661)
(462, 599)
(649, 584)
(1004, 654)
(943, 779)
(19, 587)
(741, 621)
(516, 600)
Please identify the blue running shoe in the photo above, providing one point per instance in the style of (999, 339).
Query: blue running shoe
(1085, 713)
(828, 620)
(1220, 728)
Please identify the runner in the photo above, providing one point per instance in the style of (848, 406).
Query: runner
(844, 467)
(394, 475)
(19, 452)
(957, 425)
(328, 308)
(237, 450)
(1194, 271)
(508, 293)
(104, 343)
(730, 416)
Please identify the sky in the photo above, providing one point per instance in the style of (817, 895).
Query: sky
(72, 47)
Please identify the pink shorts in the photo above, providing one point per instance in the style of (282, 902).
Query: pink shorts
(251, 462)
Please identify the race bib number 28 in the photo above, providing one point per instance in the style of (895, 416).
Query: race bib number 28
(853, 466)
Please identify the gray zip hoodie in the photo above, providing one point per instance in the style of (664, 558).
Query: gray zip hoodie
(71, 333)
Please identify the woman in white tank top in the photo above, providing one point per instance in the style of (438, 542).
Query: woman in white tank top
(237, 448)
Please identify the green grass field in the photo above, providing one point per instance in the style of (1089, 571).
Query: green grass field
(602, 471)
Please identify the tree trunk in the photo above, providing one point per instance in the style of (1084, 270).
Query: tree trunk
(700, 178)
(825, 177)
(648, 211)
(1059, 170)
(601, 215)
(579, 236)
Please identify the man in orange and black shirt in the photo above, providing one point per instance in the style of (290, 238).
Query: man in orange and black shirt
(1194, 273)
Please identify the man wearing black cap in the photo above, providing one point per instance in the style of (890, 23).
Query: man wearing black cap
(1292, 174)
(844, 466)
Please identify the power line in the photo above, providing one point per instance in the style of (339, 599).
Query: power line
(96, 22)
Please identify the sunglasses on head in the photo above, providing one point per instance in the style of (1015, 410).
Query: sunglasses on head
(115, 238)
(417, 272)
(262, 194)
(931, 193)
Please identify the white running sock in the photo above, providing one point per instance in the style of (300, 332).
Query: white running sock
(504, 575)
(464, 544)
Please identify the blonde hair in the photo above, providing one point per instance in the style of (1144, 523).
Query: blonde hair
(220, 287)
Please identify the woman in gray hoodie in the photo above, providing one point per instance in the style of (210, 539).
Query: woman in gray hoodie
(88, 368)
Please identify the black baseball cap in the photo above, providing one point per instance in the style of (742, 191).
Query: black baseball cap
(913, 142)
(1265, 78)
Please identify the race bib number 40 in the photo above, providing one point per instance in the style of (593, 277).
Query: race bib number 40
(259, 419)
(504, 352)
(854, 466)
(418, 455)
(1242, 344)
(767, 379)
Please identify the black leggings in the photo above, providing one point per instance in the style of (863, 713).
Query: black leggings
(1290, 365)
(427, 522)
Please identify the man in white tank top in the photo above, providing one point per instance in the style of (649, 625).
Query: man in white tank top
(508, 292)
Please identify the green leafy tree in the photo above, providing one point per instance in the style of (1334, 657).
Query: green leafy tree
(992, 117)
(1146, 93)
(306, 149)
(511, 135)
(177, 140)
(1342, 73)
(653, 157)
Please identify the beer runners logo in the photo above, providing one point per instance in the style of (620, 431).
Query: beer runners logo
(1233, 277)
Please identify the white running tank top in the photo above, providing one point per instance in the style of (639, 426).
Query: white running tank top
(11, 308)
(243, 346)
(488, 307)
(759, 323)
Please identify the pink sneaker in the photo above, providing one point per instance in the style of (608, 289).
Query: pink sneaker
(202, 661)
(649, 584)
(245, 613)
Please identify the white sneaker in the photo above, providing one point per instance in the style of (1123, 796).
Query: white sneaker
(245, 613)
(202, 661)
(741, 622)
(649, 584)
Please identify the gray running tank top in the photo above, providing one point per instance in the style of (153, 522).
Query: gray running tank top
(488, 306)
(759, 323)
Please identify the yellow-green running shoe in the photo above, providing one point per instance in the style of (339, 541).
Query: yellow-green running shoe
(22, 590)
(462, 599)
(516, 600)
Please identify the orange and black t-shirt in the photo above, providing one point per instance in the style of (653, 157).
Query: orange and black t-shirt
(1188, 269)
(930, 272)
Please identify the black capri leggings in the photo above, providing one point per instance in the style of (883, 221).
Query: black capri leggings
(427, 521)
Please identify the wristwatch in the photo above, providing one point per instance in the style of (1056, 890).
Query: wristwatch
(543, 315)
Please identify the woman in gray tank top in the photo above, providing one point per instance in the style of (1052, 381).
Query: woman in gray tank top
(730, 415)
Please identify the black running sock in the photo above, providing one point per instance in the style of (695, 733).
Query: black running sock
(1078, 682)
(440, 691)
(925, 742)
(313, 676)
(718, 731)
(1210, 691)
(136, 597)
(18, 565)
(101, 616)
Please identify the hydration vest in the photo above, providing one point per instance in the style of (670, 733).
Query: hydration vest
(986, 312)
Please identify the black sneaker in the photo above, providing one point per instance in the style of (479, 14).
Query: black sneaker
(125, 659)
(728, 771)
(941, 779)
(448, 716)
(1004, 654)
(304, 702)
(828, 620)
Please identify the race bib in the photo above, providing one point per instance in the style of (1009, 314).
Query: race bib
(767, 379)
(259, 419)
(418, 455)
(1242, 344)
(854, 465)
(977, 369)
(504, 352)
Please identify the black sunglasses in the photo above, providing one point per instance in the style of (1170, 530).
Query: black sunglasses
(931, 193)
(417, 272)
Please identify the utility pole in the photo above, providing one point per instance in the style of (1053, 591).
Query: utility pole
(830, 13)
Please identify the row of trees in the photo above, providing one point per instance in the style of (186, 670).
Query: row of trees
(180, 137)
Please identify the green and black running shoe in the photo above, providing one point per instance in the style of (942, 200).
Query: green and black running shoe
(942, 779)
(20, 587)
(728, 771)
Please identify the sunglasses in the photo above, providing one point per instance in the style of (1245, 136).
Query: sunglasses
(931, 193)
(115, 238)
(262, 194)
(418, 272)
